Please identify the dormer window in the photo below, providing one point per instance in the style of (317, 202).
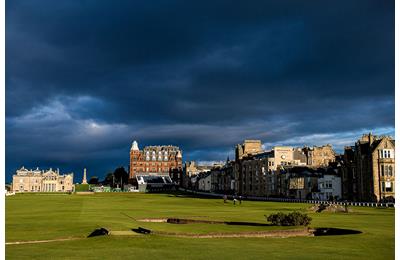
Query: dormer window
(386, 153)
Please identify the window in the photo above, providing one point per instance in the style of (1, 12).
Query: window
(390, 172)
(387, 153)
(388, 186)
(382, 170)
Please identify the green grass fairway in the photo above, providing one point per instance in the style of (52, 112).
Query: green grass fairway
(56, 216)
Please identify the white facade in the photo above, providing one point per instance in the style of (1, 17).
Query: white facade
(329, 186)
(41, 181)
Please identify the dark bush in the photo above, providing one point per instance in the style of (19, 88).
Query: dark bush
(292, 219)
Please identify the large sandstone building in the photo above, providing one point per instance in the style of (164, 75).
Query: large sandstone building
(156, 160)
(255, 170)
(374, 159)
(365, 172)
(319, 156)
(247, 148)
(42, 181)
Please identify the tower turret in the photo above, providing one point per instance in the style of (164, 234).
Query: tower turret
(135, 146)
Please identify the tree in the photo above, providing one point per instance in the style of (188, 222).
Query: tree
(94, 180)
(120, 176)
(108, 180)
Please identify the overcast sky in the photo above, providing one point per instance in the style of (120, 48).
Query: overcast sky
(86, 78)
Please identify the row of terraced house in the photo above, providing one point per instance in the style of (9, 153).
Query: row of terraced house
(364, 172)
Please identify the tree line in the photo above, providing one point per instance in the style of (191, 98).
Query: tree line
(115, 179)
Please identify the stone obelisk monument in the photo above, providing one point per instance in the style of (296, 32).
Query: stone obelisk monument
(84, 181)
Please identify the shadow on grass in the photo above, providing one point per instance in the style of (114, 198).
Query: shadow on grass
(99, 232)
(141, 230)
(334, 232)
(182, 194)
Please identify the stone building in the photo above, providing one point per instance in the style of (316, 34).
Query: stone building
(374, 159)
(319, 156)
(42, 181)
(348, 174)
(163, 160)
(204, 182)
(297, 182)
(192, 169)
(223, 178)
(285, 156)
(256, 172)
(247, 148)
(253, 175)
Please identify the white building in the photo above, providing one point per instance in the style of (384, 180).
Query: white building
(330, 187)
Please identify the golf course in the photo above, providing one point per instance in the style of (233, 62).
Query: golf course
(56, 226)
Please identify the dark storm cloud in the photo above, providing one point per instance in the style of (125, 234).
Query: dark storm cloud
(85, 78)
